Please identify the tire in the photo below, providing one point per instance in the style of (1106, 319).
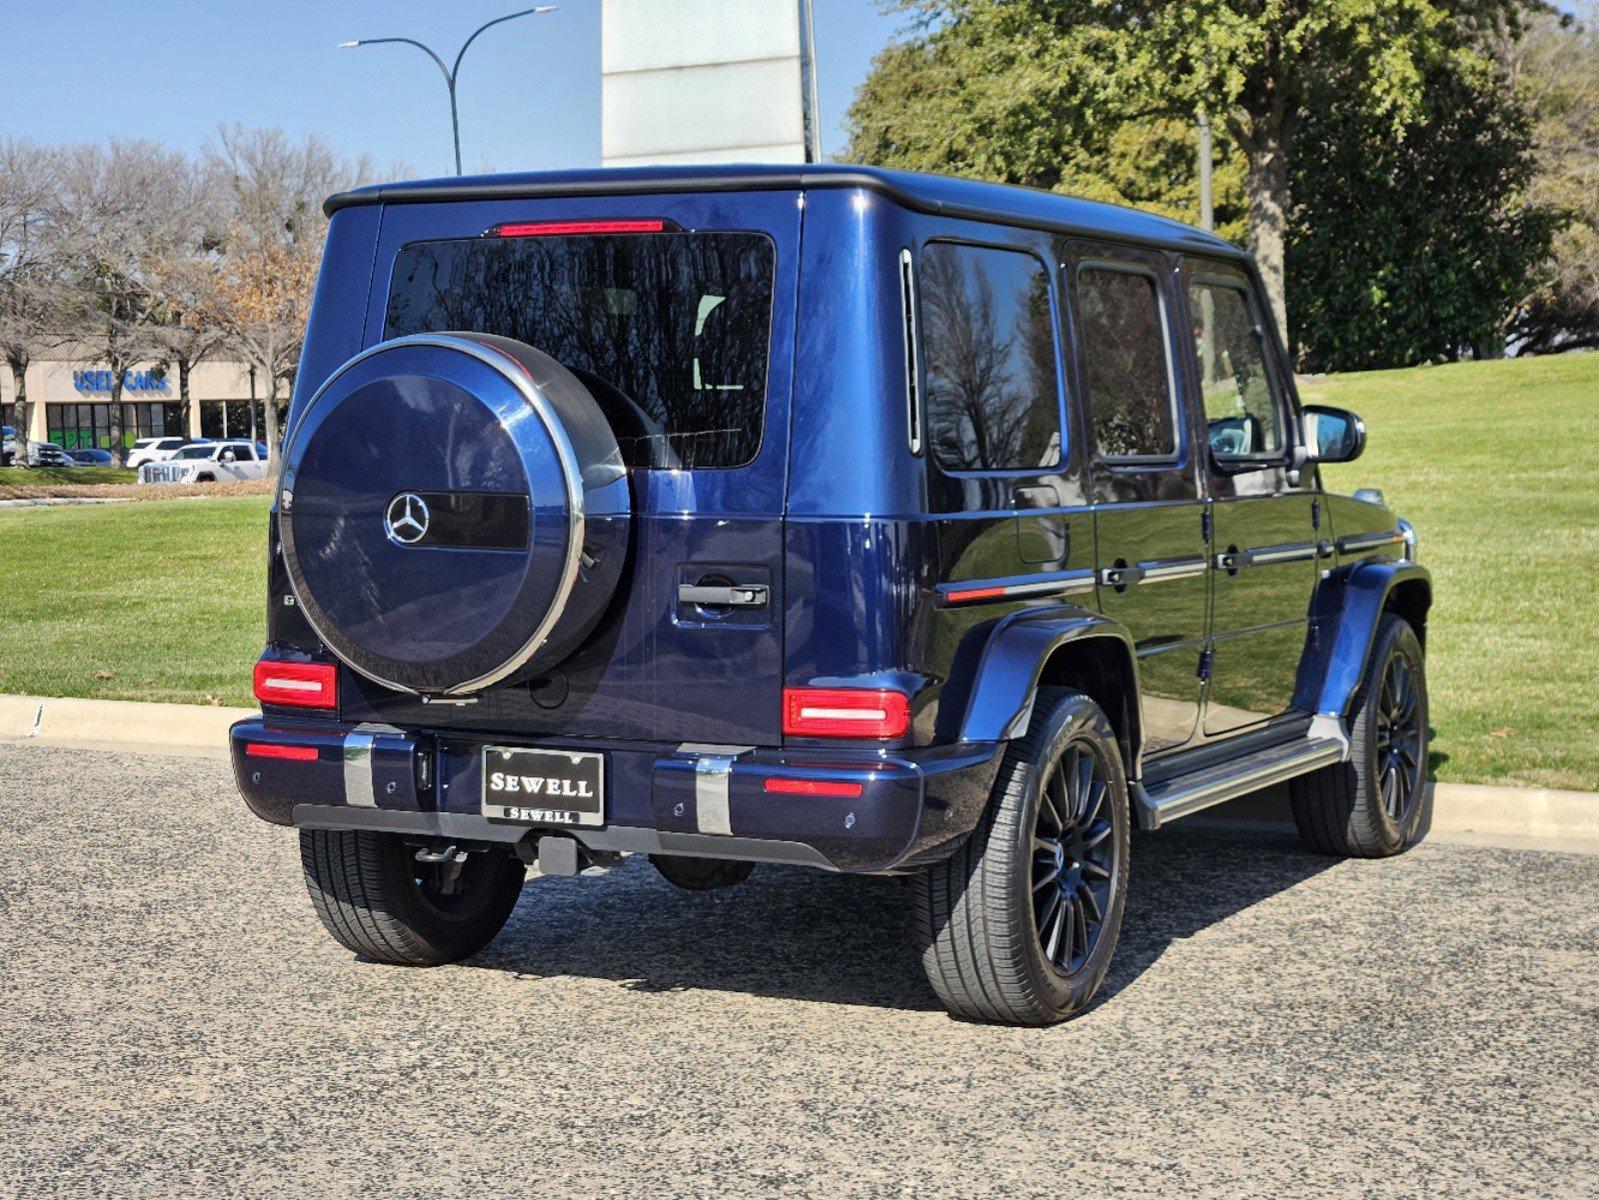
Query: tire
(977, 921)
(700, 874)
(206, 478)
(1349, 809)
(367, 890)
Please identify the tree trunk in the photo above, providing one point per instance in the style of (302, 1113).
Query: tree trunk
(1266, 185)
(19, 404)
(183, 394)
(119, 452)
(271, 414)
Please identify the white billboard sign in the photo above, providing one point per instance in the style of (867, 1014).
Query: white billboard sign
(705, 81)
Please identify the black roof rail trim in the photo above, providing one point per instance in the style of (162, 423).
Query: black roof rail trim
(628, 184)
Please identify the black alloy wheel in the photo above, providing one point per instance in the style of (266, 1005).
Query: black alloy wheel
(1378, 801)
(1399, 739)
(1074, 858)
(1019, 923)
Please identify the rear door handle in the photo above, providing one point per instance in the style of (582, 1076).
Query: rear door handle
(738, 595)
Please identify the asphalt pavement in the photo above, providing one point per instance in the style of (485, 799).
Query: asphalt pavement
(174, 1022)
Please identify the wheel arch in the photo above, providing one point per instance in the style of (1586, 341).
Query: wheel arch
(1348, 614)
(1067, 646)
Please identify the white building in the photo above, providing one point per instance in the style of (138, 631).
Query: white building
(707, 81)
(69, 401)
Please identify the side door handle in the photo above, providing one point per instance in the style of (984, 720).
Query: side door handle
(1120, 577)
(738, 595)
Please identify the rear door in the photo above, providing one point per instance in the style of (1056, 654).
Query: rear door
(1264, 554)
(1144, 480)
(685, 337)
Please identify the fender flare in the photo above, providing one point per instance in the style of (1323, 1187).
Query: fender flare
(1003, 678)
(1347, 619)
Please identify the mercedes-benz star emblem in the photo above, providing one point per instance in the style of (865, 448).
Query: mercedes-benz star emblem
(406, 521)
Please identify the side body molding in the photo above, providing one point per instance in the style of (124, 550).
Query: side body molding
(1347, 616)
(1004, 676)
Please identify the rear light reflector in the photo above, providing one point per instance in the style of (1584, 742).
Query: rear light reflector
(575, 228)
(845, 712)
(970, 594)
(812, 787)
(297, 684)
(269, 750)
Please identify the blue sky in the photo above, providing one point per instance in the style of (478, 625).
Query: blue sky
(174, 69)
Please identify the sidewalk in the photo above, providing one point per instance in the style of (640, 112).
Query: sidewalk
(184, 729)
(1520, 818)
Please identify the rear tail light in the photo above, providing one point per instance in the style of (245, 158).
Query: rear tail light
(813, 787)
(297, 684)
(272, 750)
(845, 713)
(516, 229)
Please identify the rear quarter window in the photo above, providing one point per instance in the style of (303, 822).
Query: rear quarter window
(989, 347)
(670, 332)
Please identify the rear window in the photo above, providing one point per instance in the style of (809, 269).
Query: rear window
(669, 331)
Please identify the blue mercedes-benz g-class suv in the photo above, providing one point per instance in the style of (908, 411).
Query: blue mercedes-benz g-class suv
(850, 518)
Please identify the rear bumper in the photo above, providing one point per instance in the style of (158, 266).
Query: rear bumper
(912, 806)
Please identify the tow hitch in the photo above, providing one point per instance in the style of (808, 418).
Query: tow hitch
(446, 864)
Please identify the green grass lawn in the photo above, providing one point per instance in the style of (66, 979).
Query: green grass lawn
(43, 476)
(1496, 463)
(155, 601)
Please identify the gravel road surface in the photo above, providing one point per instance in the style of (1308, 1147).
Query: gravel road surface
(174, 1022)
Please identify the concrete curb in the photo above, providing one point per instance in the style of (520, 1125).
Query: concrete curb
(1493, 811)
(187, 729)
(1462, 811)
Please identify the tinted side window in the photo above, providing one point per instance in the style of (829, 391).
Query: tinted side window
(989, 350)
(1242, 413)
(1124, 358)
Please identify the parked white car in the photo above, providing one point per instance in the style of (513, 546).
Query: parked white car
(149, 450)
(207, 462)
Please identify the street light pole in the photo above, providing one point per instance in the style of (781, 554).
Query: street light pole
(451, 74)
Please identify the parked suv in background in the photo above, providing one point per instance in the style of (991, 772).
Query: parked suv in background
(48, 454)
(208, 462)
(159, 449)
(849, 518)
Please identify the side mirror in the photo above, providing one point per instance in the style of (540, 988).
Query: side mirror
(1333, 435)
(228, 456)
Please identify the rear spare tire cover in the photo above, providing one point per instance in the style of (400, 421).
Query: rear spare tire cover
(453, 511)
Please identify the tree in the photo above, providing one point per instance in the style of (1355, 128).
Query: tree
(1554, 68)
(1415, 248)
(980, 98)
(258, 290)
(114, 214)
(1252, 65)
(30, 292)
(182, 280)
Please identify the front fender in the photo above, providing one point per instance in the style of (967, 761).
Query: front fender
(1349, 608)
(1012, 655)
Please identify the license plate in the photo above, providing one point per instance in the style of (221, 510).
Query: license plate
(543, 787)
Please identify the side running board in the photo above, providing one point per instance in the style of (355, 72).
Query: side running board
(1184, 794)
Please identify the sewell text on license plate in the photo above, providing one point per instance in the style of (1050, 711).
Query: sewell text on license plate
(543, 787)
